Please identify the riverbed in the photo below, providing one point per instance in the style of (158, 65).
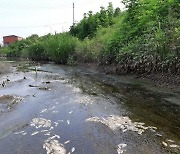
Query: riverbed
(55, 109)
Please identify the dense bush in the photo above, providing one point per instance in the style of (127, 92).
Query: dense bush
(36, 51)
(144, 38)
(60, 47)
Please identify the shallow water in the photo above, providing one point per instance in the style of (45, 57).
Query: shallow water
(74, 110)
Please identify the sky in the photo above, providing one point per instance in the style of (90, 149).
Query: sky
(26, 17)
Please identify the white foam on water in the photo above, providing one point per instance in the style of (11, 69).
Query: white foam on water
(77, 90)
(42, 131)
(170, 141)
(121, 148)
(44, 110)
(73, 149)
(54, 112)
(67, 142)
(21, 132)
(56, 124)
(84, 100)
(53, 146)
(174, 146)
(68, 122)
(70, 112)
(164, 143)
(34, 133)
(52, 108)
(24, 133)
(40, 122)
(51, 128)
(123, 123)
(48, 134)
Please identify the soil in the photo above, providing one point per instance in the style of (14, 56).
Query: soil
(5, 68)
(165, 80)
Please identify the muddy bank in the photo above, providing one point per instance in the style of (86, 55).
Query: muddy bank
(165, 80)
(8, 103)
(5, 68)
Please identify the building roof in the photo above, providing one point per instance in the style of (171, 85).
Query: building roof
(11, 36)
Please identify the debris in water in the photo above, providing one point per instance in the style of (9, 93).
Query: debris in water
(78, 90)
(170, 141)
(34, 133)
(52, 108)
(8, 80)
(3, 84)
(44, 88)
(53, 146)
(73, 149)
(44, 110)
(24, 133)
(159, 135)
(47, 82)
(54, 112)
(121, 149)
(21, 132)
(164, 143)
(48, 134)
(56, 124)
(44, 131)
(122, 123)
(174, 146)
(32, 85)
(84, 100)
(40, 122)
(51, 128)
(67, 142)
(68, 122)
(70, 112)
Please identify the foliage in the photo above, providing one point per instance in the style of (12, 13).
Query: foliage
(142, 39)
(36, 51)
(89, 25)
(60, 47)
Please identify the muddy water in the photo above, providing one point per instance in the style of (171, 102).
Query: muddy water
(59, 109)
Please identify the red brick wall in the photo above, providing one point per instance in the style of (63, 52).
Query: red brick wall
(10, 39)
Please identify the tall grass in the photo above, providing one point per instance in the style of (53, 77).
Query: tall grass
(37, 51)
(60, 47)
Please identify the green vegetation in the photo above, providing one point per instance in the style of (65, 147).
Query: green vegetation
(144, 38)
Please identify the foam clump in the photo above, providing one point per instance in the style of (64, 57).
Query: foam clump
(122, 123)
(40, 122)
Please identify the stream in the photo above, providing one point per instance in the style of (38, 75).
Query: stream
(53, 109)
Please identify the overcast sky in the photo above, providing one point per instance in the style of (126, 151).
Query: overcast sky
(26, 17)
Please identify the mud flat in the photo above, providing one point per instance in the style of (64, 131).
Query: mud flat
(5, 68)
(60, 109)
(8, 103)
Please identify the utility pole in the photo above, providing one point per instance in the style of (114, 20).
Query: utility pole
(73, 15)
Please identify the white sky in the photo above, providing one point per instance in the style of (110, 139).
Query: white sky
(26, 17)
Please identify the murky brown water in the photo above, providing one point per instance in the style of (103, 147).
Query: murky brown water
(64, 109)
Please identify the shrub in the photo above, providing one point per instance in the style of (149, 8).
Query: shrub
(60, 47)
(36, 51)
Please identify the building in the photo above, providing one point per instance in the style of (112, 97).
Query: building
(10, 39)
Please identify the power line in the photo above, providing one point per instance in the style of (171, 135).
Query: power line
(36, 26)
(24, 8)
